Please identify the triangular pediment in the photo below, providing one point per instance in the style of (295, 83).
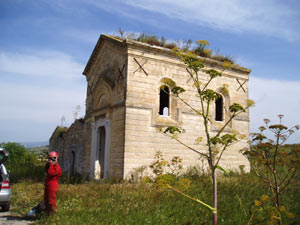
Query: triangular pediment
(103, 47)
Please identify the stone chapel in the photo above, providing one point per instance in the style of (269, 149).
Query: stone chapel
(127, 101)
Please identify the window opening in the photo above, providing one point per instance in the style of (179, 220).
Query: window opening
(101, 150)
(166, 111)
(73, 159)
(164, 101)
(219, 109)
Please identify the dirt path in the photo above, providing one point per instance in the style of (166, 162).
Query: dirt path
(7, 218)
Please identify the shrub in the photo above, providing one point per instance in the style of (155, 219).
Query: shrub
(137, 174)
(149, 39)
(200, 50)
(22, 164)
(275, 165)
(170, 45)
(18, 155)
(60, 131)
(223, 58)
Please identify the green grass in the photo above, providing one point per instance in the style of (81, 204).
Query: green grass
(125, 203)
(25, 172)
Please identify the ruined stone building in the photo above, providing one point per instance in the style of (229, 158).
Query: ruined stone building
(127, 101)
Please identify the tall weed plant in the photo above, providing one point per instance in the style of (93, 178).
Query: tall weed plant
(97, 202)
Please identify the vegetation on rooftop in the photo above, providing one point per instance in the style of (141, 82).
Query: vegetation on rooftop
(60, 131)
(200, 48)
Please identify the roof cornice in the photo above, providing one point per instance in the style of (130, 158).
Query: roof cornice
(136, 44)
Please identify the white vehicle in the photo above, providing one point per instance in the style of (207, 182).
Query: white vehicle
(5, 189)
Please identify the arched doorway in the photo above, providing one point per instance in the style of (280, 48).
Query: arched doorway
(100, 149)
(100, 152)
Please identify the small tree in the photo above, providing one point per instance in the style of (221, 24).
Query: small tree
(77, 112)
(273, 162)
(217, 142)
(18, 155)
(62, 120)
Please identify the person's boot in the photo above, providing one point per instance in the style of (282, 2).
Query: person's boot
(51, 210)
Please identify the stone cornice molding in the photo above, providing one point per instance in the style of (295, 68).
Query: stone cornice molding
(129, 43)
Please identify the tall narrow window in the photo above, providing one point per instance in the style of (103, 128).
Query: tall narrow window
(219, 109)
(73, 160)
(101, 150)
(164, 101)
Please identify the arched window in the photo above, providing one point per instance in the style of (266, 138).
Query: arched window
(219, 109)
(164, 101)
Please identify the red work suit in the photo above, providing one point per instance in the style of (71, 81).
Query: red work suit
(53, 172)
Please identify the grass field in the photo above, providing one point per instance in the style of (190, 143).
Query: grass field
(126, 203)
(38, 150)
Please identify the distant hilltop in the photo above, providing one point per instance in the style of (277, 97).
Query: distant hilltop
(33, 144)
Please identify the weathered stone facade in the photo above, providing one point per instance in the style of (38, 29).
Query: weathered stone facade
(119, 131)
(70, 145)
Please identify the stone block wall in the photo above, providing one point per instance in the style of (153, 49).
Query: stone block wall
(105, 102)
(142, 138)
(69, 143)
(123, 86)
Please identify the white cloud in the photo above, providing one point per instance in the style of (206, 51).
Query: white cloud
(37, 107)
(267, 17)
(31, 108)
(28, 102)
(274, 97)
(40, 64)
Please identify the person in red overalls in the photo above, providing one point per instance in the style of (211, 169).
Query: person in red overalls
(53, 172)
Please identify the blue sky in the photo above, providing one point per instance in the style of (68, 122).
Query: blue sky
(44, 46)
